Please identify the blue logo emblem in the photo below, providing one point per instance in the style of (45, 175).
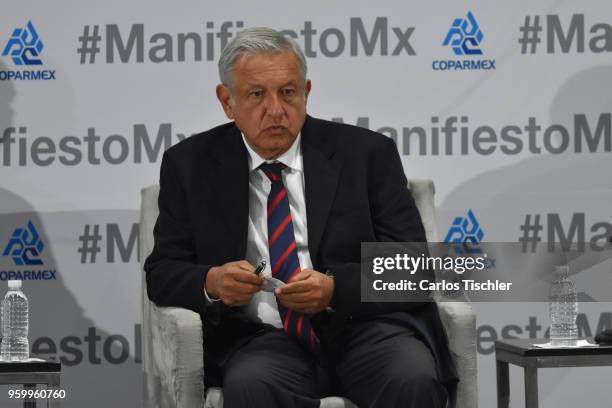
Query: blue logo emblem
(465, 233)
(465, 36)
(24, 46)
(25, 246)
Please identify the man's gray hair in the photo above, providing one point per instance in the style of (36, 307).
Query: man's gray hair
(257, 40)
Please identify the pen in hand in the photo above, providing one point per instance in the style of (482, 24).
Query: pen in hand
(261, 267)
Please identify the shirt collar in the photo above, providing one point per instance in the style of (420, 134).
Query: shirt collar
(291, 158)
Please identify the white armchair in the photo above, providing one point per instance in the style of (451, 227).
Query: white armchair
(172, 337)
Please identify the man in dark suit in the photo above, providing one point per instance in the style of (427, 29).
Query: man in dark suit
(302, 193)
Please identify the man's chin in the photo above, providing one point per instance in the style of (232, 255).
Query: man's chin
(274, 150)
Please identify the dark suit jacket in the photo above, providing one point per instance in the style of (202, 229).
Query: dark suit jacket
(355, 192)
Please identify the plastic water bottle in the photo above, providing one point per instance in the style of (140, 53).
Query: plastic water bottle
(563, 309)
(15, 345)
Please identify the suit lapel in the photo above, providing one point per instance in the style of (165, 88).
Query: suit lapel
(231, 187)
(321, 173)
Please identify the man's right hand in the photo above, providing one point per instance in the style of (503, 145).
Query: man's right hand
(234, 283)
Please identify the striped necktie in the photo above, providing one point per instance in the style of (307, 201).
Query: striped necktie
(283, 253)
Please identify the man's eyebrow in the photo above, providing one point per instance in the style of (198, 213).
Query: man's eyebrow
(251, 85)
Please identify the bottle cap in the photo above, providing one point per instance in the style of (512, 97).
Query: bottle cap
(14, 284)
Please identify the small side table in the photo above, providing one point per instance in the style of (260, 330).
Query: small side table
(522, 353)
(31, 373)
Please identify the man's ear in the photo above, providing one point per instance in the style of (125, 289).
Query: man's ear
(224, 95)
(307, 86)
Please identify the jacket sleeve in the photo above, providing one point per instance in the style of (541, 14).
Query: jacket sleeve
(173, 276)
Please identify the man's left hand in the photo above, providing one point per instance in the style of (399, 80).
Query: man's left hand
(307, 292)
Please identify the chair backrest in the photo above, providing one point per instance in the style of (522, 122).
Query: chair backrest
(148, 217)
(423, 192)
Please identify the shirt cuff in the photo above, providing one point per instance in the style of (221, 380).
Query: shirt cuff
(209, 300)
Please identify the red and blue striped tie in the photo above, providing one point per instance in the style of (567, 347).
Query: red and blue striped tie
(283, 253)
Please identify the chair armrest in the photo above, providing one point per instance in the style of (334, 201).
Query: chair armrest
(172, 337)
(459, 320)
(177, 356)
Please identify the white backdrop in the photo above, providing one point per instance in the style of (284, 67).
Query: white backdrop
(535, 131)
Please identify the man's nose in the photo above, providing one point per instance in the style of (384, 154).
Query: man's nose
(274, 107)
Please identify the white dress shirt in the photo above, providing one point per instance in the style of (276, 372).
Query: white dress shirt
(263, 306)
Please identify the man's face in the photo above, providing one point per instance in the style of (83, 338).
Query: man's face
(267, 101)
